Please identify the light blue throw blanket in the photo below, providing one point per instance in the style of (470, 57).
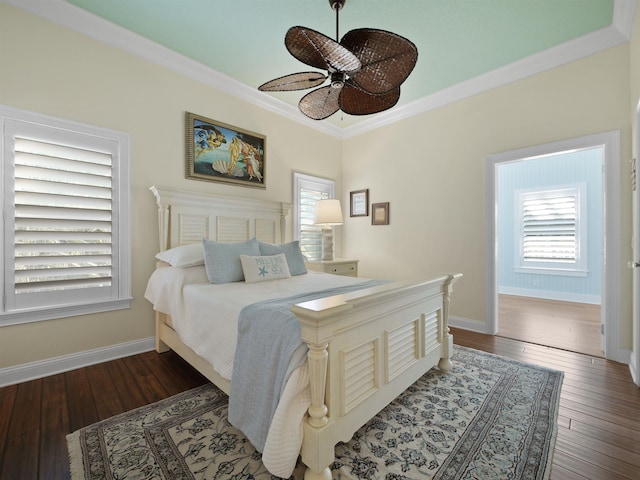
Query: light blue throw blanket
(269, 348)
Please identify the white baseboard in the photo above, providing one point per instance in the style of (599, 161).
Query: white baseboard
(467, 324)
(550, 295)
(633, 368)
(52, 366)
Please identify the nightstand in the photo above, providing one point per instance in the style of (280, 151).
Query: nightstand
(338, 266)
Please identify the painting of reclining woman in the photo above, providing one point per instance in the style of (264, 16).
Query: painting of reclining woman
(223, 153)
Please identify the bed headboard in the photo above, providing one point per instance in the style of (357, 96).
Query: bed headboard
(186, 217)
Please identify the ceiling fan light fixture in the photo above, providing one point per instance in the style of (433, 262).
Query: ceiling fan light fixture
(366, 68)
(337, 79)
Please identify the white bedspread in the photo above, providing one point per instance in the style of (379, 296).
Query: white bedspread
(205, 317)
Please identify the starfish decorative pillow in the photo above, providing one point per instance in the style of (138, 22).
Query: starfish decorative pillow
(263, 268)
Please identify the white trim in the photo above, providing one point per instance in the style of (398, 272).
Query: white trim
(611, 225)
(65, 363)
(466, 324)
(82, 21)
(634, 363)
(79, 20)
(551, 295)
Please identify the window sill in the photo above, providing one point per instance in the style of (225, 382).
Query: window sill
(51, 313)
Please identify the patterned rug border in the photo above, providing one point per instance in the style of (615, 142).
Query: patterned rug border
(536, 465)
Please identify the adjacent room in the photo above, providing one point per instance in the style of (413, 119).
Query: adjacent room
(444, 210)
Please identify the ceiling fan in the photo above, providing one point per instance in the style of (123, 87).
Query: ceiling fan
(366, 68)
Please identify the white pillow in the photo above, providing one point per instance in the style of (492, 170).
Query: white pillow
(259, 269)
(183, 256)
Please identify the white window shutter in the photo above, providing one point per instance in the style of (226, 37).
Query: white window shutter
(62, 218)
(65, 243)
(549, 228)
(308, 190)
(310, 234)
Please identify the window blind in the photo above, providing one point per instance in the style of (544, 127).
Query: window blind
(549, 228)
(310, 234)
(63, 218)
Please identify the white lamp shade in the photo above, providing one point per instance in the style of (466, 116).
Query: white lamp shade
(328, 212)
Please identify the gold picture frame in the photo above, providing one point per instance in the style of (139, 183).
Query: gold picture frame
(380, 213)
(217, 152)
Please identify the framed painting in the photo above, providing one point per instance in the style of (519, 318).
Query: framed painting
(380, 213)
(217, 152)
(359, 203)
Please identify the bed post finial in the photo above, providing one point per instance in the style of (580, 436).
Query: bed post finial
(163, 220)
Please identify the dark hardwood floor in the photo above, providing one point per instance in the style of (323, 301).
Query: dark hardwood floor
(599, 422)
(36, 416)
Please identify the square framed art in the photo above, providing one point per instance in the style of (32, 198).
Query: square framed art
(380, 213)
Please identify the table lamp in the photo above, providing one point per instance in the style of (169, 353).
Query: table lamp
(328, 214)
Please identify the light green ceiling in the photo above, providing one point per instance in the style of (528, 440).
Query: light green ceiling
(457, 39)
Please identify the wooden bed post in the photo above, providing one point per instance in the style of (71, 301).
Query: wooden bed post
(317, 425)
(161, 347)
(318, 358)
(447, 339)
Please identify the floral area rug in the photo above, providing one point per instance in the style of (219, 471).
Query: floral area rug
(488, 418)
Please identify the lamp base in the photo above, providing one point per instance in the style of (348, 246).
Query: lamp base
(327, 243)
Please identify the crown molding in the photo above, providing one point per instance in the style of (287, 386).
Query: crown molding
(74, 18)
(81, 21)
(618, 33)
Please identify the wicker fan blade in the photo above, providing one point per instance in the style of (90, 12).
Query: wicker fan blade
(356, 101)
(321, 103)
(387, 59)
(318, 50)
(295, 81)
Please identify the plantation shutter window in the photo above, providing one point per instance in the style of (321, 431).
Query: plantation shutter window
(549, 229)
(552, 234)
(65, 229)
(310, 234)
(308, 191)
(62, 218)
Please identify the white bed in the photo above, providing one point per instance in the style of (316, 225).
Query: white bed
(364, 347)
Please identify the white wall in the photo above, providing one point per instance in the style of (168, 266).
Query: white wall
(52, 70)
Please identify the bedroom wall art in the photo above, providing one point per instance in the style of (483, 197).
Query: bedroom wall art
(359, 203)
(380, 213)
(217, 152)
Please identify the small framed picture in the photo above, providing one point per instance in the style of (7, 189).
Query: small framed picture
(360, 203)
(380, 213)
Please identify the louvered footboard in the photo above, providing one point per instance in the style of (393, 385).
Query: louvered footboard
(365, 348)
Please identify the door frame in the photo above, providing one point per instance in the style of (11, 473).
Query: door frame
(634, 364)
(610, 297)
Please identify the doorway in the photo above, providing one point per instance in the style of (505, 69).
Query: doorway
(549, 226)
(527, 282)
